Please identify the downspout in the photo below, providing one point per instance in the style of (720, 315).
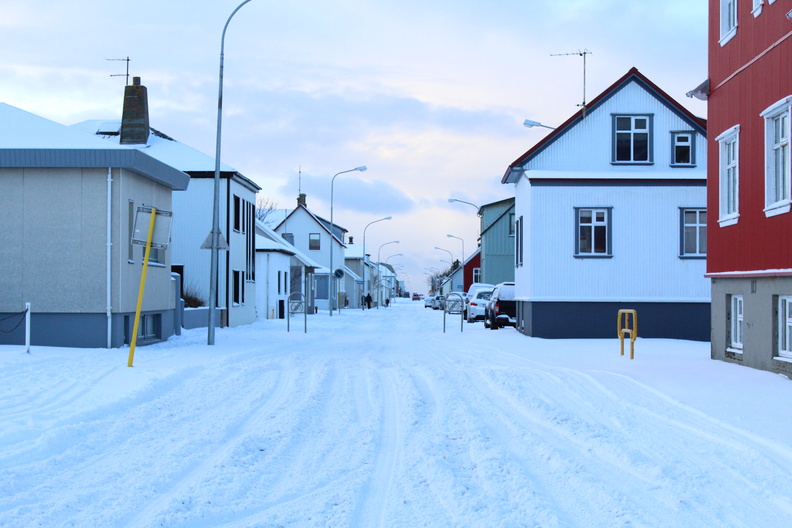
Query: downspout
(267, 292)
(109, 299)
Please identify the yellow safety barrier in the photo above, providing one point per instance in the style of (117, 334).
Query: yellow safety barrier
(623, 327)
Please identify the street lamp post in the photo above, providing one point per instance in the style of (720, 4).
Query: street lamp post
(332, 276)
(462, 260)
(365, 284)
(390, 283)
(379, 273)
(215, 234)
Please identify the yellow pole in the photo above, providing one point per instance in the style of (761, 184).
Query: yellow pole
(142, 287)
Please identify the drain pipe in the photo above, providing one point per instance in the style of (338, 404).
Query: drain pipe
(109, 299)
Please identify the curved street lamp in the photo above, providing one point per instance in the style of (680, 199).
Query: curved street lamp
(449, 253)
(379, 278)
(528, 123)
(215, 233)
(462, 260)
(333, 279)
(365, 284)
(478, 209)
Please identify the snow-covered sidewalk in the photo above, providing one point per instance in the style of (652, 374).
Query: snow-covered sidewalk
(379, 418)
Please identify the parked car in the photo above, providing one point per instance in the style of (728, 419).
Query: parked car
(475, 288)
(477, 305)
(429, 301)
(501, 308)
(437, 304)
(416, 296)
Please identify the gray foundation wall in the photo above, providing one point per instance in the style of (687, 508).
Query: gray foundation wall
(760, 321)
(582, 320)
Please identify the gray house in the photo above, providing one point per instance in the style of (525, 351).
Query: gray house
(67, 206)
(497, 242)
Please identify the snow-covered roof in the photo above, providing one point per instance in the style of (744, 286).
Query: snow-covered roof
(28, 140)
(269, 240)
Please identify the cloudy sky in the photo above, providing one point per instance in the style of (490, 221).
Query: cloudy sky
(429, 94)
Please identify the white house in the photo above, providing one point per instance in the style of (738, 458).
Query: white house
(68, 203)
(236, 285)
(310, 234)
(611, 214)
(282, 272)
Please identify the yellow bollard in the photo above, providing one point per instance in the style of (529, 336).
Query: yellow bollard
(623, 327)
(133, 342)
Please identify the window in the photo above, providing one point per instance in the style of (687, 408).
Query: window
(239, 287)
(288, 237)
(682, 153)
(777, 160)
(729, 175)
(785, 326)
(518, 242)
(237, 213)
(728, 20)
(314, 241)
(757, 8)
(148, 326)
(512, 227)
(476, 274)
(693, 242)
(593, 237)
(736, 323)
(632, 139)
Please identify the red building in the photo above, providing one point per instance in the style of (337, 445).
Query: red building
(749, 253)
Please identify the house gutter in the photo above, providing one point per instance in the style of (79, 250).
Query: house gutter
(109, 307)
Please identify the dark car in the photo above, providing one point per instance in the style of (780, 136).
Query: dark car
(501, 309)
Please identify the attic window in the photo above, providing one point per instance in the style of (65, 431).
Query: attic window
(632, 139)
(682, 149)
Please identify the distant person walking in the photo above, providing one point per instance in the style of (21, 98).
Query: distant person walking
(368, 301)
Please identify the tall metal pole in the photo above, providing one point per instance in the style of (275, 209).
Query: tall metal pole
(379, 271)
(216, 203)
(365, 284)
(332, 274)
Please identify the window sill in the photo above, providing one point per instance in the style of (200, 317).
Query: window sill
(683, 165)
(728, 36)
(592, 256)
(632, 163)
(728, 220)
(783, 358)
(778, 208)
(693, 257)
(734, 350)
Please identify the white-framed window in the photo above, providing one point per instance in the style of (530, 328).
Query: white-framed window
(148, 326)
(476, 274)
(778, 197)
(729, 176)
(632, 139)
(683, 152)
(728, 20)
(314, 241)
(239, 287)
(785, 326)
(693, 236)
(592, 232)
(756, 10)
(736, 323)
(518, 242)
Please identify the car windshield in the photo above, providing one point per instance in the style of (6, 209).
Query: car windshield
(484, 295)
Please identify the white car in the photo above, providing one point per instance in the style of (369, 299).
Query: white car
(477, 305)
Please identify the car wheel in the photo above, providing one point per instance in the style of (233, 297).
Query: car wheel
(486, 322)
(494, 325)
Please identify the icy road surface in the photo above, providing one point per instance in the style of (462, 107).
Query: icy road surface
(378, 418)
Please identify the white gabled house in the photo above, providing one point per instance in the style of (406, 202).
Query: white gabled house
(192, 213)
(310, 234)
(610, 214)
(67, 206)
(282, 272)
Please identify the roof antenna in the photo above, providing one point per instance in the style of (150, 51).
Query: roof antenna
(122, 74)
(299, 179)
(582, 54)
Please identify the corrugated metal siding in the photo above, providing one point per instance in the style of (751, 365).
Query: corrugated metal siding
(645, 233)
(755, 242)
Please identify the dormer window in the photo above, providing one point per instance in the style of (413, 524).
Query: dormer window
(632, 139)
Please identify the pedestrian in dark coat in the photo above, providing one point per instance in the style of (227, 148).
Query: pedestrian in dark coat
(368, 301)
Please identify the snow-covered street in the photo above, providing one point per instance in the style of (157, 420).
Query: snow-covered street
(379, 418)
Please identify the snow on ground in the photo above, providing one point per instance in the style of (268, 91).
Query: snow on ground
(379, 418)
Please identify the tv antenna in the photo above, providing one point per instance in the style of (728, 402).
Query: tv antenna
(122, 74)
(581, 54)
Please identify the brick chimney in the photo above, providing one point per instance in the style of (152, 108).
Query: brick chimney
(135, 119)
(301, 199)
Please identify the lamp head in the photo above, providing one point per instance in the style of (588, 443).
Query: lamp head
(529, 123)
(362, 168)
(388, 218)
(452, 200)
